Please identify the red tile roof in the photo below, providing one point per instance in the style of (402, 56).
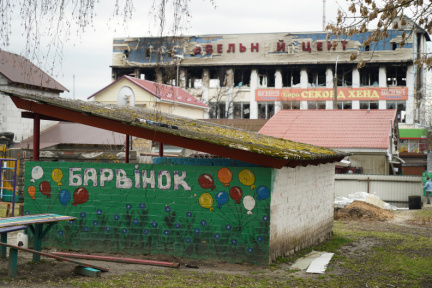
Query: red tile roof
(333, 128)
(20, 70)
(162, 91)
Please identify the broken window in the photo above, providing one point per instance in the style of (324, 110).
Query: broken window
(217, 77)
(400, 106)
(369, 76)
(344, 105)
(396, 75)
(291, 77)
(192, 76)
(317, 77)
(344, 76)
(241, 110)
(242, 77)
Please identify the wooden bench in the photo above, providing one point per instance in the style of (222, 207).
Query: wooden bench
(13, 259)
(4, 232)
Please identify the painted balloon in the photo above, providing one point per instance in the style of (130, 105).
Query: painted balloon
(247, 177)
(249, 204)
(80, 196)
(225, 176)
(236, 194)
(64, 197)
(45, 188)
(206, 181)
(222, 198)
(263, 192)
(206, 201)
(31, 190)
(37, 173)
(57, 175)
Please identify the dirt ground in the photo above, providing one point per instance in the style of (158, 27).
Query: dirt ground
(48, 272)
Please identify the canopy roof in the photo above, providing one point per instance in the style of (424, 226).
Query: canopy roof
(198, 135)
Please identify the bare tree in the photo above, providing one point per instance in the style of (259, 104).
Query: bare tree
(46, 26)
(385, 15)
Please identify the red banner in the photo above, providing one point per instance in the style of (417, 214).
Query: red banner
(323, 94)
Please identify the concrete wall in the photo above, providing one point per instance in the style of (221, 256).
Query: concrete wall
(371, 164)
(301, 208)
(228, 212)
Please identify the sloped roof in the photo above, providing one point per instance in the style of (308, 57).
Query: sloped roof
(161, 91)
(333, 128)
(180, 131)
(253, 125)
(74, 133)
(20, 70)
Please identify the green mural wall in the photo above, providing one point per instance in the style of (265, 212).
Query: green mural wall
(203, 212)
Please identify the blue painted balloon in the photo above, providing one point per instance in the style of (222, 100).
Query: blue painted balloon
(64, 197)
(263, 192)
(222, 198)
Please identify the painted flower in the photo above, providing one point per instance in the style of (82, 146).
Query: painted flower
(95, 223)
(154, 224)
(234, 242)
(146, 231)
(197, 231)
(60, 233)
(167, 208)
(86, 229)
(108, 229)
(128, 206)
(135, 222)
(141, 205)
(217, 236)
(203, 223)
(82, 214)
(166, 232)
(188, 240)
(116, 217)
(189, 214)
(124, 230)
(265, 218)
(259, 239)
(249, 250)
(177, 226)
(228, 227)
(27, 212)
(71, 222)
(99, 212)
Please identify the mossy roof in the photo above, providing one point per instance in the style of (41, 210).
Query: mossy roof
(237, 140)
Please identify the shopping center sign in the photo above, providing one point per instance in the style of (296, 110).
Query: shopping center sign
(323, 94)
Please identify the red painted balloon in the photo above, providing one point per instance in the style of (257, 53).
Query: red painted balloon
(206, 181)
(236, 194)
(80, 196)
(45, 188)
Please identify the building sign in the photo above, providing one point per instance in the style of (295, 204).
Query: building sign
(323, 94)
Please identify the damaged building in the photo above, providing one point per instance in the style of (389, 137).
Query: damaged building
(252, 76)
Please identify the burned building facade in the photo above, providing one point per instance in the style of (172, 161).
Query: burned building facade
(255, 75)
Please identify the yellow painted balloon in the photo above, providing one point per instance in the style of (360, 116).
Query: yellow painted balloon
(57, 175)
(206, 201)
(31, 190)
(247, 177)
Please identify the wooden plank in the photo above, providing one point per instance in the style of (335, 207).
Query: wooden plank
(86, 271)
(33, 219)
(12, 229)
(55, 257)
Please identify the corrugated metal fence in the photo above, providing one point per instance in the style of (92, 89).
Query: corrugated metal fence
(392, 189)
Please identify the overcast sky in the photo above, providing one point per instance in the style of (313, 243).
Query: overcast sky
(88, 57)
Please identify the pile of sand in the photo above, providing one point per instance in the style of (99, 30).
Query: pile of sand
(359, 210)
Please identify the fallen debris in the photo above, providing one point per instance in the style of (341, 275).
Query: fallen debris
(319, 265)
(359, 210)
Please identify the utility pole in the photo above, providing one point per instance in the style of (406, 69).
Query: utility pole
(335, 85)
(324, 15)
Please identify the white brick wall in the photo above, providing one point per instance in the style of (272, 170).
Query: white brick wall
(301, 208)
